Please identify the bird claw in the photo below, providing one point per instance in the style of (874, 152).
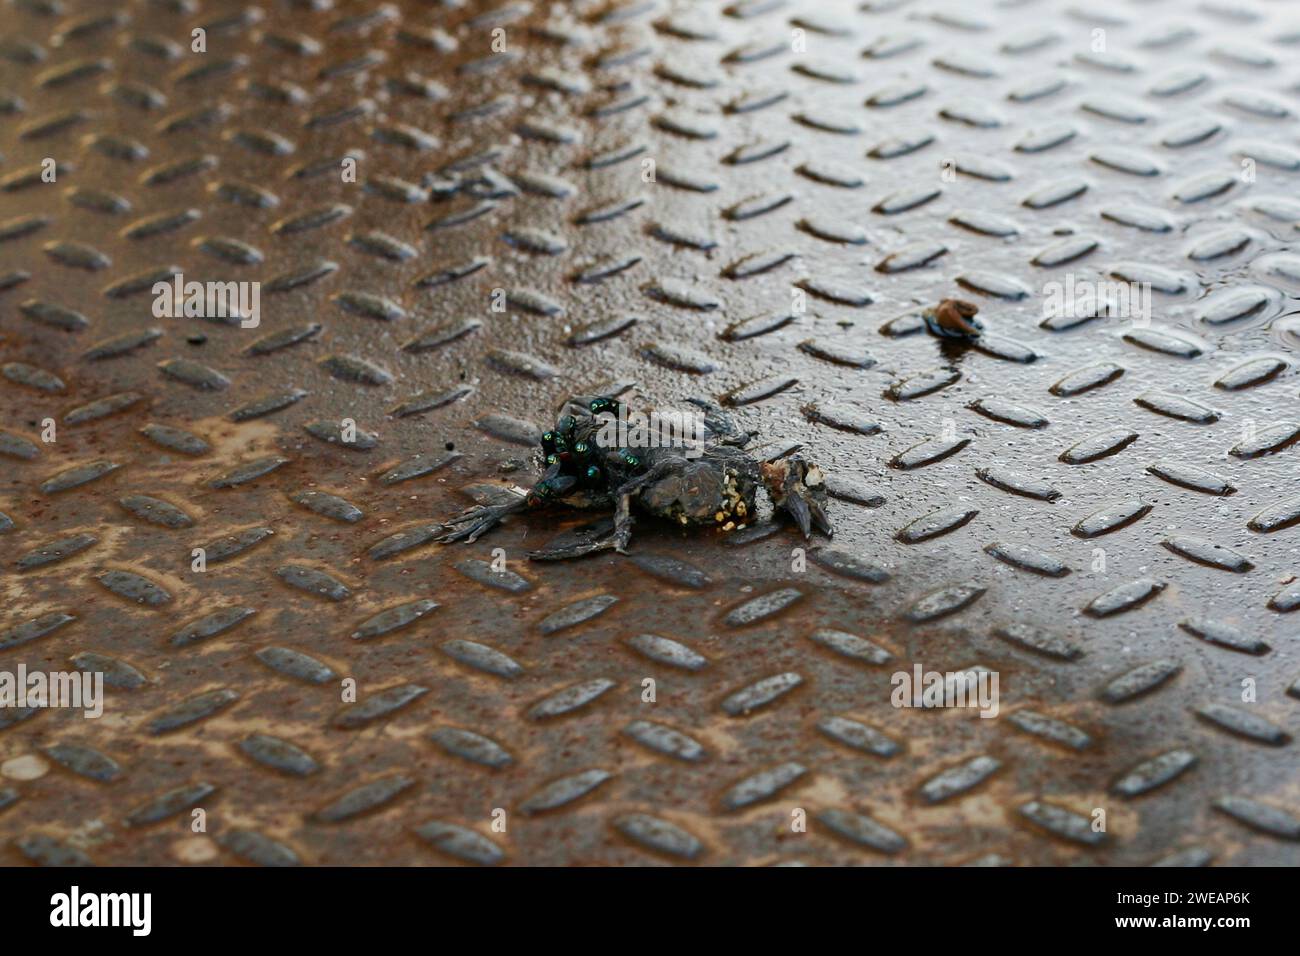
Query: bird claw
(471, 523)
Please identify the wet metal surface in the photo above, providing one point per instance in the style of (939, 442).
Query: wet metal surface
(748, 201)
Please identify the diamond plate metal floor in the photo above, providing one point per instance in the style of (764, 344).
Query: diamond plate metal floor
(649, 189)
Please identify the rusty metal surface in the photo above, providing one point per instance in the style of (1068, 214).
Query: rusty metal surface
(876, 156)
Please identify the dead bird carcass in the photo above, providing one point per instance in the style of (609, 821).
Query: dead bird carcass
(712, 482)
